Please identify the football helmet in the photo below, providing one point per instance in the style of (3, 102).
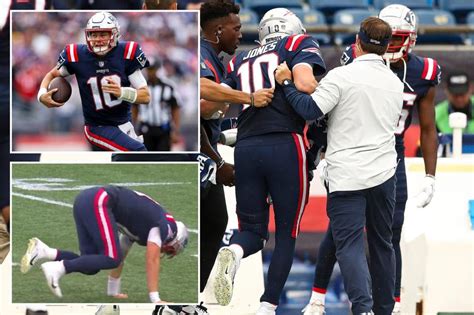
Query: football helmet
(177, 245)
(102, 22)
(402, 20)
(277, 24)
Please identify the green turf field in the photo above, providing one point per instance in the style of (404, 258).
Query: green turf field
(49, 217)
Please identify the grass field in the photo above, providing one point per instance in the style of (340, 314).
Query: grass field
(42, 207)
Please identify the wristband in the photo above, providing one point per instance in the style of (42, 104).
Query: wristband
(220, 163)
(154, 297)
(430, 176)
(128, 94)
(41, 92)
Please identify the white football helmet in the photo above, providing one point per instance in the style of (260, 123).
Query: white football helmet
(177, 245)
(102, 22)
(277, 24)
(402, 20)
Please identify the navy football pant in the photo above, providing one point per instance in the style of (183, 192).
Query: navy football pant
(97, 233)
(349, 212)
(111, 138)
(275, 165)
(327, 250)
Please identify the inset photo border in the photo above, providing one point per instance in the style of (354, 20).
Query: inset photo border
(71, 220)
(115, 63)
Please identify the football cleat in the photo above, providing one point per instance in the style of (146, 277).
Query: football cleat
(34, 253)
(52, 273)
(37, 312)
(108, 310)
(314, 308)
(224, 281)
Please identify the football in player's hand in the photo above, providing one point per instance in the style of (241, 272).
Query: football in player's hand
(64, 91)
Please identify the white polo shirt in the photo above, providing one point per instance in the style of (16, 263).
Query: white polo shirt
(364, 100)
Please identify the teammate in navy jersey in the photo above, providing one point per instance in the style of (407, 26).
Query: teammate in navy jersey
(269, 139)
(220, 25)
(420, 76)
(109, 76)
(108, 221)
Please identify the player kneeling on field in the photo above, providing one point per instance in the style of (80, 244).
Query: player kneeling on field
(108, 221)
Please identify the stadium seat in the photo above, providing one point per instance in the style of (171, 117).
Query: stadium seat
(262, 6)
(311, 18)
(470, 21)
(329, 7)
(460, 8)
(350, 17)
(412, 4)
(437, 18)
(248, 17)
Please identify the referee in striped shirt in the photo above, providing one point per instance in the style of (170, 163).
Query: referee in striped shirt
(159, 121)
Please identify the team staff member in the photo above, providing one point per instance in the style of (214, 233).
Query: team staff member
(363, 114)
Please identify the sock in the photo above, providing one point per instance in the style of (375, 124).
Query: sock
(113, 286)
(50, 253)
(268, 306)
(318, 295)
(61, 268)
(238, 251)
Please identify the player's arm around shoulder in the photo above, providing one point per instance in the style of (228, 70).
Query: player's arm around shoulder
(304, 79)
(45, 97)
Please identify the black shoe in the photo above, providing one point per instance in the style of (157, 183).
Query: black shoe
(30, 312)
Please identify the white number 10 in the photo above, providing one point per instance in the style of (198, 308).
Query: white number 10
(101, 98)
(256, 72)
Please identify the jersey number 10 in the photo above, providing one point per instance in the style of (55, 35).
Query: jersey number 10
(100, 97)
(252, 78)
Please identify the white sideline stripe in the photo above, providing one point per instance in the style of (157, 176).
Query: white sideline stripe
(59, 203)
(17, 183)
(54, 202)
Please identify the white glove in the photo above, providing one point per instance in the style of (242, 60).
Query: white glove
(426, 192)
(322, 172)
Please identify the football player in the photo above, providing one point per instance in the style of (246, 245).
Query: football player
(420, 76)
(220, 25)
(269, 139)
(109, 76)
(108, 221)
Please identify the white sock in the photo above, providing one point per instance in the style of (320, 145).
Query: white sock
(238, 251)
(50, 253)
(113, 286)
(316, 296)
(61, 268)
(268, 306)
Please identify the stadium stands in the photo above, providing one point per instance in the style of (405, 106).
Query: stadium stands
(312, 18)
(350, 17)
(470, 21)
(460, 8)
(437, 18)
(262, 6)
(412, 4)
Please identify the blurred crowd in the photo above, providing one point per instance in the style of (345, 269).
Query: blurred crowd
(38, 38)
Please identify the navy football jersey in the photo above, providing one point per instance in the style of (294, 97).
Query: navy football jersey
(421, 74)
(252, 70)
(136, 214)
(91, 72)
(215, 72)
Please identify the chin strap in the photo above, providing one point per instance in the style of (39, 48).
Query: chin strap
(405, 75)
